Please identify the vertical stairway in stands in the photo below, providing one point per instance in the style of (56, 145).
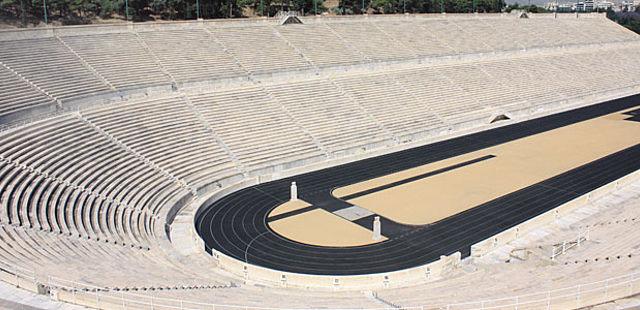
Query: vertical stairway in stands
(296, 49)
(33, 85)
(428, 107)
(396, 139)
(228, 52)
(85, 63)
(156, 59)
(215, 135)
(347, 43)
(181, 182)
(290, 115)
(393, 39)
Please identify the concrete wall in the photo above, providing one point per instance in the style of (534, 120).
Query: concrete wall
(483, 247)
(255, 274)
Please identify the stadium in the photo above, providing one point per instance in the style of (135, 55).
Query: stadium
(416, 161)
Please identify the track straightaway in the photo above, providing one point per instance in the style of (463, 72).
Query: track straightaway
(231, 223)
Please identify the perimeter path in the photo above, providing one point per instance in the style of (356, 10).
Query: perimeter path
(537, 177)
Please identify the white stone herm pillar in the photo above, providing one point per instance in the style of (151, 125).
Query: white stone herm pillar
(376, 228)
(294, 191)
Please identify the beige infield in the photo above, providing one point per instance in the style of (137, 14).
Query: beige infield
(517, 164)
(319, 227)
(289, 206)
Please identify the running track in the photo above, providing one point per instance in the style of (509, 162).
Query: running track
(237, 224)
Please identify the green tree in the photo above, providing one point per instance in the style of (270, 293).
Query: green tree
(352, 6)
(527, 8)
(308, 6)
(385, 6)
(630, 20)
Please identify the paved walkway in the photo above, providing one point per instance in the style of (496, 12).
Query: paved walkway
(15, 298)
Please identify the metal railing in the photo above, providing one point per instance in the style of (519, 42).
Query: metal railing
(561, 248)
(105, 298)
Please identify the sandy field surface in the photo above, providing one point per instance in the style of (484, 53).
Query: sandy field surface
(518, 164)
(289, 206)
(312, 228)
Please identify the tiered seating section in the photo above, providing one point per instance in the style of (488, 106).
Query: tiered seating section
(332, 118)
(322, 46)
(190, 55)
(89, 191)
(51, 66)
(17, 94)
(83, 168)
(168, 134)
(268, 51)
(257, 128)
(377, 93)
(64, 257)
(119, 60)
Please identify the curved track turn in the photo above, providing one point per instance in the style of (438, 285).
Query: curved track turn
(237, 225)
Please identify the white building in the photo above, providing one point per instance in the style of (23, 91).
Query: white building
(584, 6)
(629, 5)
(551, 6)
(604, 5)
(565, 7)
(560, 7)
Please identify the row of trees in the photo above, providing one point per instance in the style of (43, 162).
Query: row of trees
(24, 12)
(84, 11)
(420, 6)
(527, 8)
(630, 20)
(87, 11)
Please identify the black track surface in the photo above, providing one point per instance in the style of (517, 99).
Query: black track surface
(236, 225)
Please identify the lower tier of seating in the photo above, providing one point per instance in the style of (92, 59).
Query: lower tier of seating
(498, 281)
(94, 263)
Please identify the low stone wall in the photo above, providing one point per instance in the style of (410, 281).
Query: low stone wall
(29, 113)
(483, 247)
(421, 274)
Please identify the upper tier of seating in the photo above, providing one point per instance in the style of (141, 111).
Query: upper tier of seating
(51, 66)
(17, 94)
(68, 65)
(189, 55)
(120, 58)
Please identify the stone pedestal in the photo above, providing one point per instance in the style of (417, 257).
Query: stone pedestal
(377, 235)
(294, 191)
